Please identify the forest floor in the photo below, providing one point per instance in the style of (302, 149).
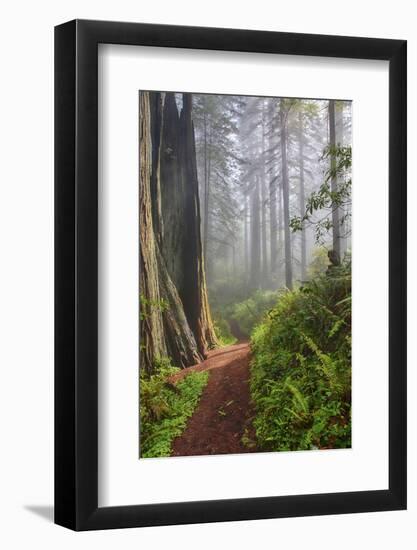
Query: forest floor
(224, 413)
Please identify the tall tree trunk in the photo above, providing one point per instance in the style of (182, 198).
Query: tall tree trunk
(264, 273)
(206, 185)
(302, 195)
(246, 237)
(339, 134)
(273, 221)
(156, 107)
(172, 279)
(333, 182)
(255, 261)
(152, 339)
(194, 296)
(233, 260)
(286, 196)
(180, 341)
(281, 252)
(265, 269)
(173, 194)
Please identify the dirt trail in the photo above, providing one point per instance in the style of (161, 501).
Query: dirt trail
(224, 413)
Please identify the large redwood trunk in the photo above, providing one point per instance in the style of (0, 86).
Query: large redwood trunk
(194, 294)
(173, 241)
(151, 323)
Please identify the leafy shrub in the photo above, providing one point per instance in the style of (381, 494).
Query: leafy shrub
(301, 367)
(223, 333)
(165, 407)
(319, 262)
(251, 311)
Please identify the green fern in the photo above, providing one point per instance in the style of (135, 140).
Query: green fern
(301, 367)
(164, 409)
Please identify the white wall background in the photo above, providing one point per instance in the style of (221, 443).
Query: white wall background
(26, 272)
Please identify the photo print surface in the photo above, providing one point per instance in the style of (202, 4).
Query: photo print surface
(244, 274)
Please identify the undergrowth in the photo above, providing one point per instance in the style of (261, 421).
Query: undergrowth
(248, 313)
(301, 367)
(165, 407)
(223, 333)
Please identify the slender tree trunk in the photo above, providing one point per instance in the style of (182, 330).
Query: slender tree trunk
(265, 269)
(286, 197)
(273, 234)
(264, 274)
(281, 255)
(333, 181)
(273, 224)
(246, 237)
(339, 133)
(302, 195)
(255, 237)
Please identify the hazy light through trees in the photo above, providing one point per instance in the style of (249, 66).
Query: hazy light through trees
(259, 160)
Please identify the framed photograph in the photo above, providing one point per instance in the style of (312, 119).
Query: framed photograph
(230, 254)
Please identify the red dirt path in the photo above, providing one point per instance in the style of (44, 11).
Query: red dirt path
(224, 412)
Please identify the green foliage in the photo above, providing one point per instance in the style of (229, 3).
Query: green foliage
(230, 301)
(301, 367)
(319, 262)
(324, 200)
(147, 305)
(165, 407)
(222, 329)
(251, 311)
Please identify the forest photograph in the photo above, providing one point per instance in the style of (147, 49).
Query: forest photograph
(245, 221)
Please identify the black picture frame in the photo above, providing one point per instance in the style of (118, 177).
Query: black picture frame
(76, 272)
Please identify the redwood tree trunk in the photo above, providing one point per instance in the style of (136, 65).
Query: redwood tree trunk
(255, 240)
(333, 181)
(175, 315)
(265, 270)
(302, 196)
(286, 198)
(152, 339)
(194, 295)
(246, 237)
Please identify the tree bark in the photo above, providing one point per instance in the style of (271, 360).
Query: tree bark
(333, 180)
(281, 252)
(255, 237)
(339, 136)
(194, 298)
(302, 195)
(180, 341)
(286, 197)
(206, 188)
(273, 222)
(152, 340)
(246, 238)
(156, 106)
(265, 269)
(172, 279)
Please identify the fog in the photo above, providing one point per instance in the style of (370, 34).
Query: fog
(261, 163)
